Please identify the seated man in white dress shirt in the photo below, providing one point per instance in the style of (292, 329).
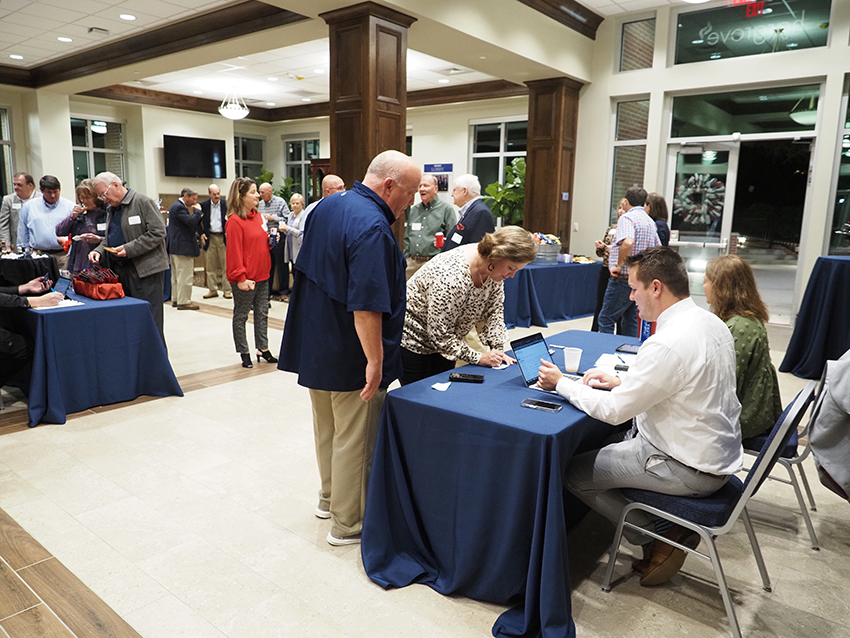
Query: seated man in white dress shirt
(680, 392)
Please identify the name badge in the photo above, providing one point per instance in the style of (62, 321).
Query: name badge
(101, 226)
(457, 238)
(16, 205)
(416, 226)
(134, 220)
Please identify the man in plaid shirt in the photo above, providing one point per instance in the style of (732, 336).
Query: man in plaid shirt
(636, 231)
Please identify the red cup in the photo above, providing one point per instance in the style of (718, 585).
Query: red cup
(439, 240)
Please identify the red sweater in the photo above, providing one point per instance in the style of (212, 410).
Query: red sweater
(247, 249)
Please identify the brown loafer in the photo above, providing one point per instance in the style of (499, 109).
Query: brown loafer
(211, 295)
(188, 306)
(667, 560)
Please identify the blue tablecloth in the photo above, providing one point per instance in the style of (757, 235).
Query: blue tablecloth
(100, 353)
(822, 330)
(466, 493)
(540, 294)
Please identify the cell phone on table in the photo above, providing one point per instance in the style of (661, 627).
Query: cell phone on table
(545, 406)
(466, 378)
(631, 348)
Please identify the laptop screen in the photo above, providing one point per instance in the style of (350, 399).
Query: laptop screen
(528, 352)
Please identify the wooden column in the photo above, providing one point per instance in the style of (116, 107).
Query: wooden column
(550, 159)
(368, 85)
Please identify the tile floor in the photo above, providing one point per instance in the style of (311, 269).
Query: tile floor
(193, 518)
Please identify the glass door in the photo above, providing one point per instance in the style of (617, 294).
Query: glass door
(701, 202)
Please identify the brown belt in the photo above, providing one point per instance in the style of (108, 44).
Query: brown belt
(420, 259)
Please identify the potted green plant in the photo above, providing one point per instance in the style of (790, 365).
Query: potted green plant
(507, 200)
(289, 187)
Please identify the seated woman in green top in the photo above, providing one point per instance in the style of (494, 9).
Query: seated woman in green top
(730, 288)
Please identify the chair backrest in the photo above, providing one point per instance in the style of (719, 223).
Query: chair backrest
(786, 425)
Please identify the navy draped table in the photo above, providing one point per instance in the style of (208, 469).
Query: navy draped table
(822, 330)
(466, 492)
(538, 294)
(99, 353)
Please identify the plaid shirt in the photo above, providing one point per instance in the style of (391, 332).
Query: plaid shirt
(637, 225)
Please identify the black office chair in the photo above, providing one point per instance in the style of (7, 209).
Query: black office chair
(716, 514)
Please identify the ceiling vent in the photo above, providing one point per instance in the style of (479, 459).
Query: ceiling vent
(453, 71)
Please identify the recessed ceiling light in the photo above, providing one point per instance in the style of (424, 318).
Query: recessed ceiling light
(792, 45)
(64, 39)
(16, 57)
(697, 41)
(272, 79)
(198, 92)
(715, 56)
(306, 99)
(319, 71)
(127, 16)
(270, 103)
(767, 11)
(443, 81)
(762, 98)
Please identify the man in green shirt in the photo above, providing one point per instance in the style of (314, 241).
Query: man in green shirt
(423, 221)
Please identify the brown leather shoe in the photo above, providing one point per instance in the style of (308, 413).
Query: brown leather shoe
(188, 306)
(667, 560)
(642, 564)
(173, 304)
(211, 295)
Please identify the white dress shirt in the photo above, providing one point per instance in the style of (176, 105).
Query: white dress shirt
(680, 390)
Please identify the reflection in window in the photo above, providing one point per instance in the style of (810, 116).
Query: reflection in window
(638, 45)
(298, 156)
(839, 243)
(629, 150)
(752, 29)
(249, 157)
(97, 146)
(775, 110)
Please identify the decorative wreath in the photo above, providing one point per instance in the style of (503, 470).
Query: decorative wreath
(699, 199)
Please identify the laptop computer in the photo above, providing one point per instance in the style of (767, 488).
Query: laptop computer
(528, 352)
(62, 285)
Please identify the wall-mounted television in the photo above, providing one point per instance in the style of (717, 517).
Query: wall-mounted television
(194, 157)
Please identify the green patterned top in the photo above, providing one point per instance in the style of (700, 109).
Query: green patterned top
(757, 385)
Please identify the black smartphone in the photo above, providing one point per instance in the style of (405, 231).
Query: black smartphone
(631, 348)
(466, 378)
(545, 406)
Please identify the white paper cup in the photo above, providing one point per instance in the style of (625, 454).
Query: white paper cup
(572, 359)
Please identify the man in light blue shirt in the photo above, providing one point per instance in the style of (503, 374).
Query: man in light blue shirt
(38, 219)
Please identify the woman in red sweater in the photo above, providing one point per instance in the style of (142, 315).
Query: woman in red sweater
(248, 266)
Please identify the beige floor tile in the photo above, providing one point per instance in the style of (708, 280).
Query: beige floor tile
(78, 489)
(50, 525)
(283, 616)
(215, 585)
(168, 617)
(181, 454)
(161, 486)
(15, 489)
(243, 485)
(118, 582)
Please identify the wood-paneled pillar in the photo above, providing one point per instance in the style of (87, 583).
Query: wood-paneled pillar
(368, 85)
(550, 158)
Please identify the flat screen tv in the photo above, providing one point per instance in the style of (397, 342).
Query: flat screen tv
(194, 157)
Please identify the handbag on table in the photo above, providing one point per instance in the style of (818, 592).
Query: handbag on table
(97, 282)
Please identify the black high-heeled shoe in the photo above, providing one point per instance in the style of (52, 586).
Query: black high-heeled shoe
(246, 361)
(267, 356)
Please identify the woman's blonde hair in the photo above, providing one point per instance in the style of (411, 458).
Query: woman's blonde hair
(238, 189)
(624, 204)
(297, 196)
(733, 289)
(510, 243)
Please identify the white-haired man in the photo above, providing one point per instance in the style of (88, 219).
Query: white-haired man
(135, 231)
(422, 222)
(343, 329)
(474, 218)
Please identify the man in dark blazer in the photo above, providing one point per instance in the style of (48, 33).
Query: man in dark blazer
(135, 230)
(213, 216)
(184, 223)
(474, 218)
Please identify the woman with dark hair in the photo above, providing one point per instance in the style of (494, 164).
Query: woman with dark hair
(452, 293)
(603, 249)
(248, 267)
(730, 288)
(656, 207)
(86, 224)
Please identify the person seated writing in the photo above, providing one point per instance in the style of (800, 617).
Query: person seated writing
(452, 293)
(680, 393)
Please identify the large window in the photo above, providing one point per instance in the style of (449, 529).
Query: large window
(839, 241)
(494, 145)
(751, 28)
(629, 149)
(97, 146)
(298, 156)
(249, 156)
(5, 154)
(638, 45)
(779, 110)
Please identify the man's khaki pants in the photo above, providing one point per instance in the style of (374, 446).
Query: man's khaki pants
(345, 429)
(182, 271)
(216, 264)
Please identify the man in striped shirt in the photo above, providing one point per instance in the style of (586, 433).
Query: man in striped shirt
(636, 231)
